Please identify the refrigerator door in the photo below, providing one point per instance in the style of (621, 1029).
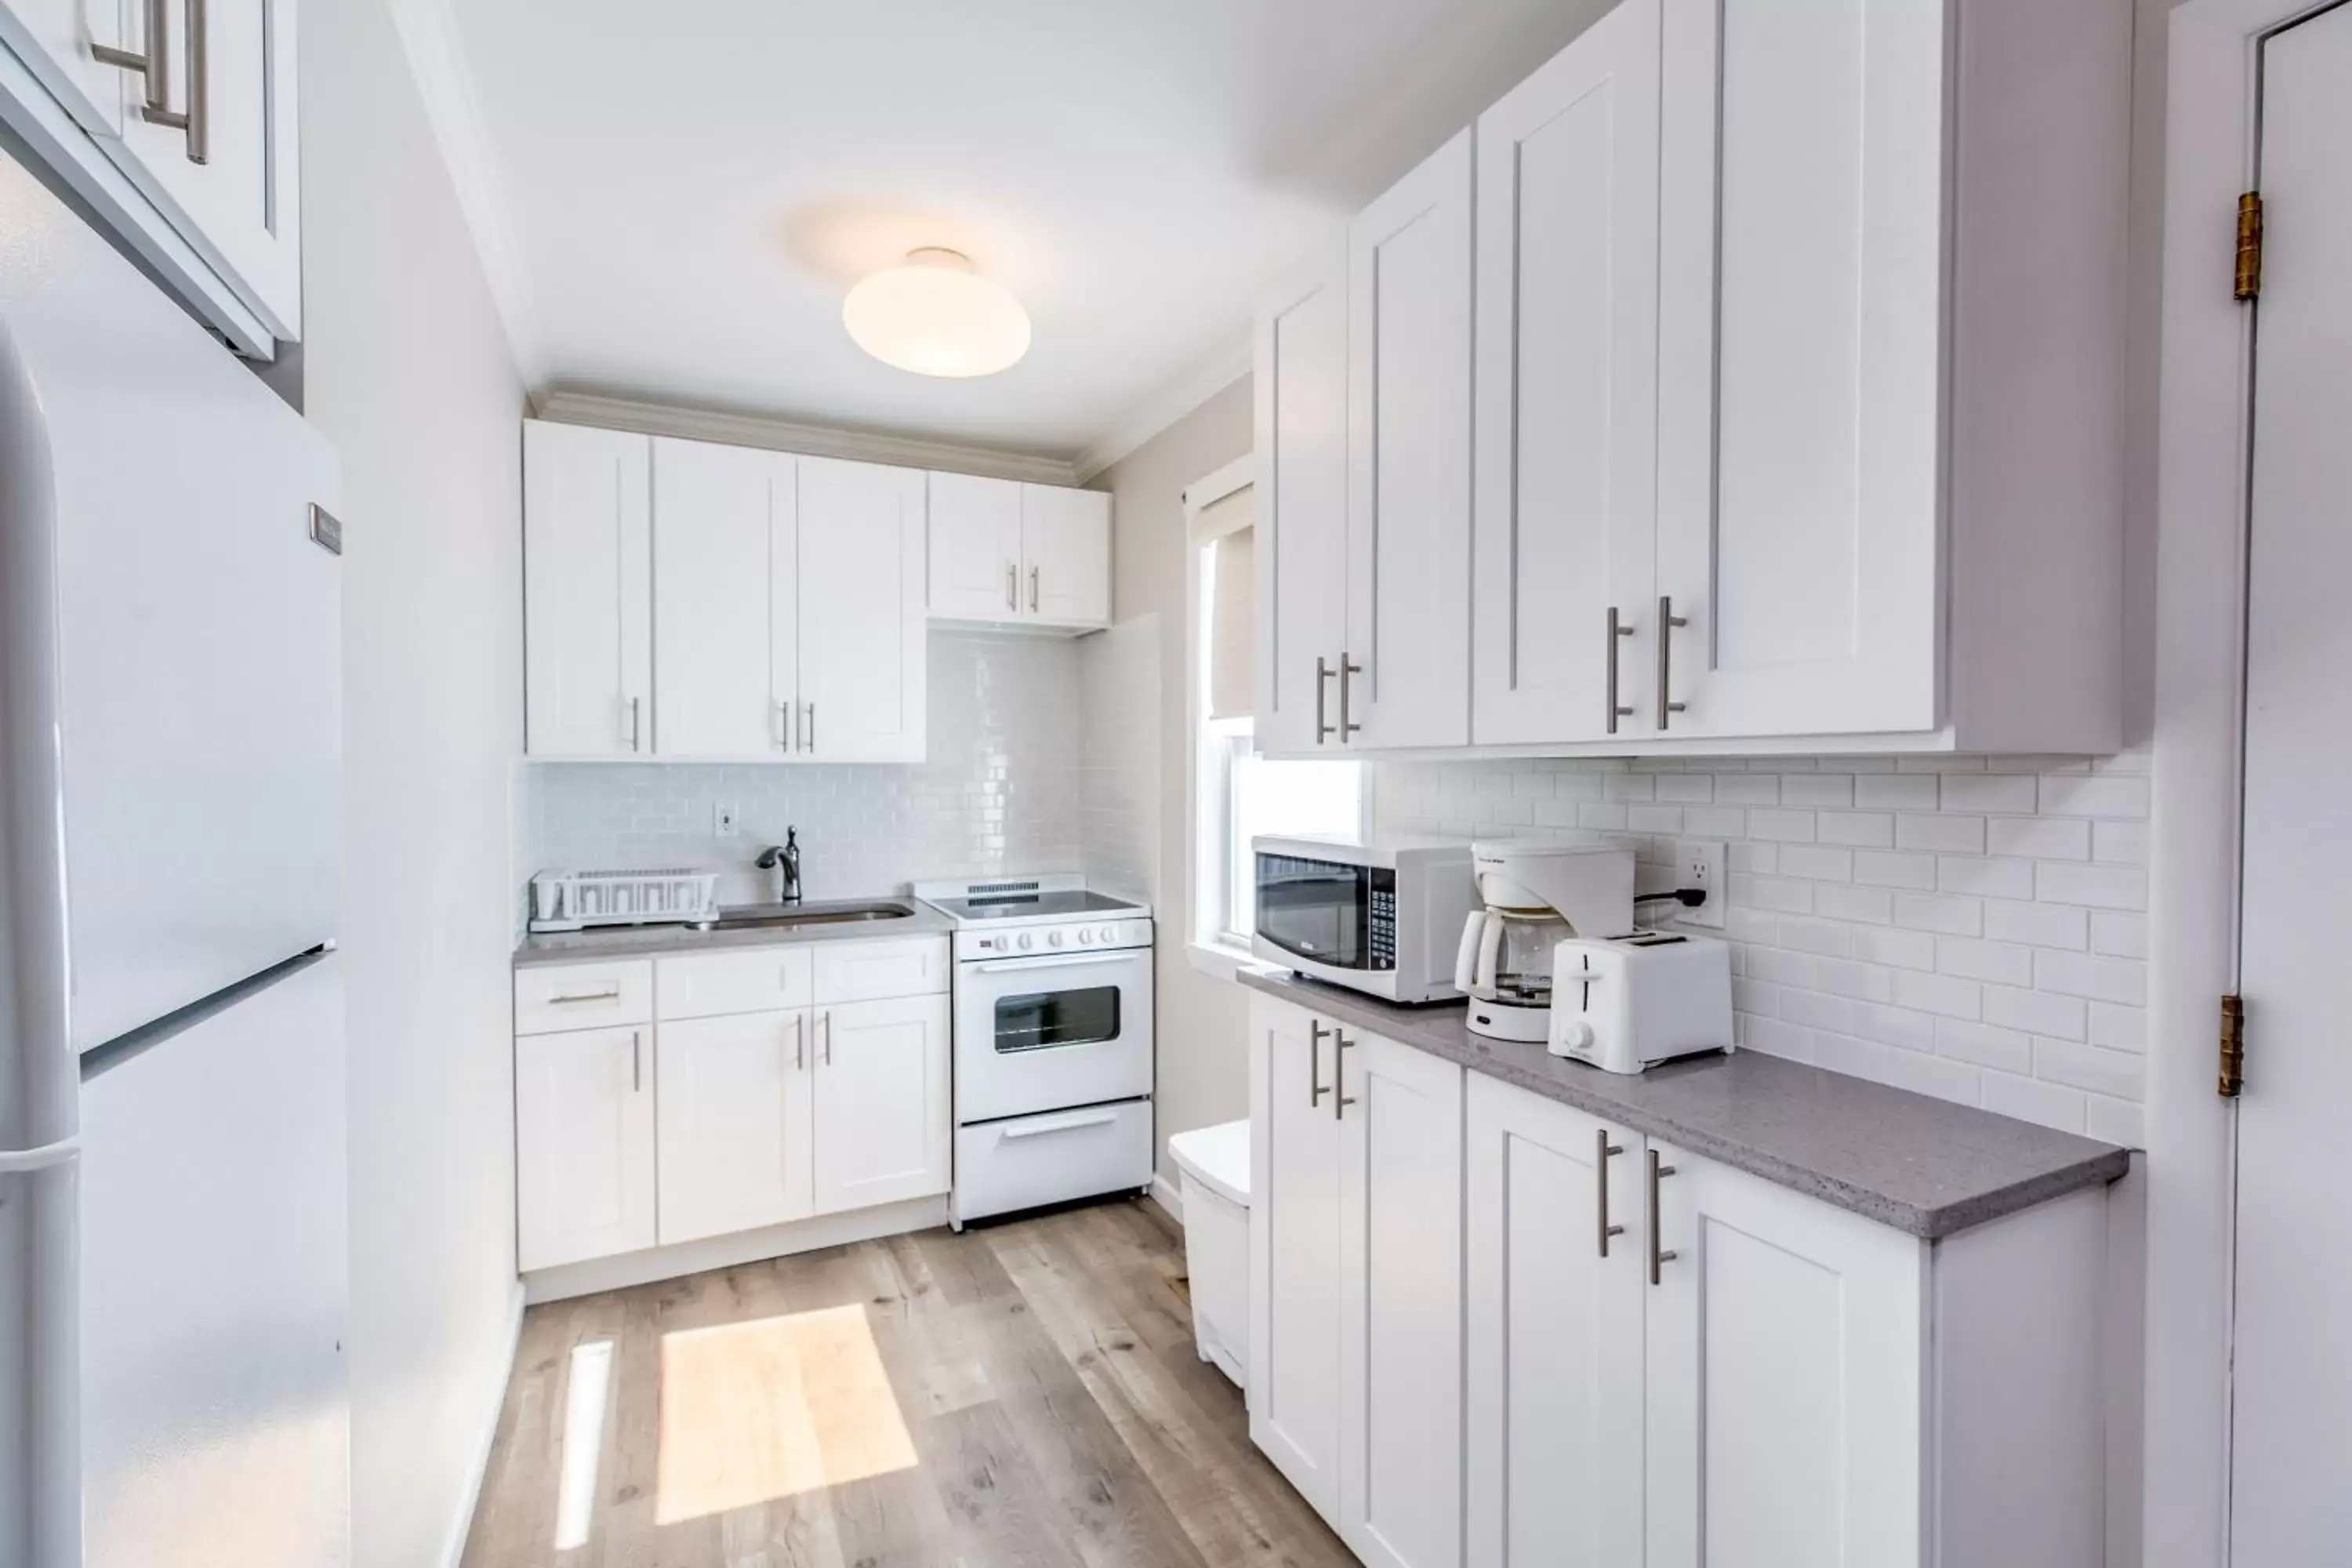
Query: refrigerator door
(216, 1410)
(198, 647)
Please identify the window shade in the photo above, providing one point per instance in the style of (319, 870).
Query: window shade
(1232, 623)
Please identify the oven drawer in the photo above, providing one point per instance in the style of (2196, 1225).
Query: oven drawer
(1027, 1161)
(551, 997)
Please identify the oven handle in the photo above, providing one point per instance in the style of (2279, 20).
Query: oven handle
(1060, 1124)
(1057, 960)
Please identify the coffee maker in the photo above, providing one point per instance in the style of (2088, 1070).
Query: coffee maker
(1537, 895)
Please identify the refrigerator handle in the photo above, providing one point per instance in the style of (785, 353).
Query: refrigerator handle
(24, 1162)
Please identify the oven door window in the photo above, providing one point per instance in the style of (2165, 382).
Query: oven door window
(1046, 1019)
(1316, 908)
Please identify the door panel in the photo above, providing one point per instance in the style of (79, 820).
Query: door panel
(583, 1145)
(1399, 1303)
(1294, 1371)
(1554, 1335)
(883, 1115)
(722, 524)
(2292, 1364)
(1802, 365)
(1301, 395)
(1066, 538)
(735, 1143)
(975, 548)
(1408, 553)
(587, 591)
(861, 595)
(1567, 305)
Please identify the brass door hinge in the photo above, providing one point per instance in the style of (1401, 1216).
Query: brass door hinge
(2250, 247)
(2233, 1046)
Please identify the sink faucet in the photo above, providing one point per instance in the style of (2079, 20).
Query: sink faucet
(785, 860)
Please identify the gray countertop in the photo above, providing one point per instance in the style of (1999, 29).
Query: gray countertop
(1925, 1166)
(660, 941)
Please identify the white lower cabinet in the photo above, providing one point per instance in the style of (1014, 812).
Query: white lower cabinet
(735, 1125)
(1294, 1372)
(583, 1144)
(885, 1130)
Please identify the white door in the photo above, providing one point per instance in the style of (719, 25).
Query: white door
(55, 38)
(583, 1145)
(1786, 1375)
(1554, 1334)
(1800, 364)
(1400, 1116)
(1568, 374)
(1066, 543)
(230, 175)
(861, 613)
(1301, 389)
(975, 548)
(587, 591)
(884, 1121)
(2290, 1499)
(1408, 347)
(724, 604)
(1294, 1277)
(735, 1123)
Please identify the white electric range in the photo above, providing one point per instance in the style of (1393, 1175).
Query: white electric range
(1053, 1042)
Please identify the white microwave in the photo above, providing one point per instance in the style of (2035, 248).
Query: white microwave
(1384, 917)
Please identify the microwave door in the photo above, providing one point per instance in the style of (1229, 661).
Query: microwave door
(1315, 910)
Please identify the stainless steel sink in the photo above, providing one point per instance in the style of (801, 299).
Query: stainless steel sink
(786, 916)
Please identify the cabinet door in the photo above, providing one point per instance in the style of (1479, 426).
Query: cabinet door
(1301, 392)
(1568, 422)
(1400, 1117)
(583, 1145)
(736, 1145)
(861, 612)
(54, 38)
(884, 1124)
(1786, 1368)
(1554, 1334)
(1409, 332)
(1065, 544)
(231, 177)
(975, 548)
(587, 591)
(1800, 374)
(1294, 1277)
(724, 546)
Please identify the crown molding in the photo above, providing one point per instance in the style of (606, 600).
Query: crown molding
(736, 430)
(444, 84)
(1204, 379)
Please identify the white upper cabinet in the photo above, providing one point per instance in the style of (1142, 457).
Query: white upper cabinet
(1066, 555)
(726, 600)
(862, 675)
(587, 591)
(975, 562)
(1301, 389)
(1567, 435)
(57, 41)
(1406, 678)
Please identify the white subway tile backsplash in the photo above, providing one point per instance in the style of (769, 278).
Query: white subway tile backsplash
(1971, 927)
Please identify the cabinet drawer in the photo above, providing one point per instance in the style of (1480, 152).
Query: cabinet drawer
(868, 971)
(758, 980)
(584, 996)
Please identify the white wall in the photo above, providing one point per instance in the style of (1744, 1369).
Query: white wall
(1204, 1023)
(1121, 791)
(405, 369)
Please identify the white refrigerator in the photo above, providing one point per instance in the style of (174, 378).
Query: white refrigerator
(174, 1255)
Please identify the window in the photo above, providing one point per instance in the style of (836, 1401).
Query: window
(1236, 794)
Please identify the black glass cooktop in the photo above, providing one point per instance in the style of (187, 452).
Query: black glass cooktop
(1035, 906)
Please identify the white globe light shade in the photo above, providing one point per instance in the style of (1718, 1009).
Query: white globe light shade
(935, 316)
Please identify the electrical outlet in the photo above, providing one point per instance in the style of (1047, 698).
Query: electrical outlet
(1700, 863)
(723, 823)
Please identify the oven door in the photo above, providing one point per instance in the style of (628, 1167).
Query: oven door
(1047, 1033)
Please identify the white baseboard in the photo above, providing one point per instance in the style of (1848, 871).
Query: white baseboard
(1169, 1196)
(487, 1436)
(631, 1268)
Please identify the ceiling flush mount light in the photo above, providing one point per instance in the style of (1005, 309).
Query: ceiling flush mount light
(935, 316)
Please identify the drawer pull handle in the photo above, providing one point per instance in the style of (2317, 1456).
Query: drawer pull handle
(567, 998)
(1601, 1151)
(1075, 1124)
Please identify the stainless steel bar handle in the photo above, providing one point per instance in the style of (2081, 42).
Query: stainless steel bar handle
(612, 995)
(1601, 1151)
(636, 737)
(637, 1061)
(828, 1038)
(154, 63)
(783, 726)
(1315, 1032)
(808, 732)
(1012, 586)
(800, 1042)
(198, 121)
(1033, 590)
(1617, 629)
(1667, 622)
(1659, 1256)
(1347, 726)
(1323, 674)
(1341, 1098)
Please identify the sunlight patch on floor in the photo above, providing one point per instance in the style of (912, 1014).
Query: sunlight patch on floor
(585, 1393)
(756, 1411)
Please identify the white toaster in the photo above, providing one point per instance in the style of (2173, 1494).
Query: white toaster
(1622, 1003)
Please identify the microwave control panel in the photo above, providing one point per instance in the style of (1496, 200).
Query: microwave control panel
(1381, 919)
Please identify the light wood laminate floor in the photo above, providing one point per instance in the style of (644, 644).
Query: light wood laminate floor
(1022, 1393)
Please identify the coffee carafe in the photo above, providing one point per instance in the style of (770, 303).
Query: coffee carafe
(1537, 895)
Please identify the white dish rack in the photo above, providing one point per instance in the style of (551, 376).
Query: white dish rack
(666, 895)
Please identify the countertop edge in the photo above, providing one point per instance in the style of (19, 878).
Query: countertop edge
(609, 944)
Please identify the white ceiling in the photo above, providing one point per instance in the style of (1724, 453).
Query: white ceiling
(690, 187)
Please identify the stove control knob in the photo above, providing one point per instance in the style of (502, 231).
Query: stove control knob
(1024, 938)
(1086, 935)
(1111, 934)
(1053, 939)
